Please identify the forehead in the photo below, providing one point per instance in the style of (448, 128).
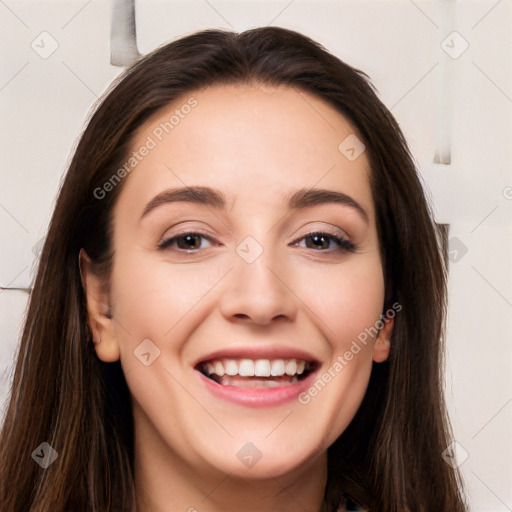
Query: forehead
(253, 142)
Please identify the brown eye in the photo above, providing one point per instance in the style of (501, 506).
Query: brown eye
(188, 241)
(320, 241)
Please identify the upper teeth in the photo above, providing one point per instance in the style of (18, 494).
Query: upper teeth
(256, 368)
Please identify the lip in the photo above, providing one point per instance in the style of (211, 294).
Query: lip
(258, 352)
(257, 397)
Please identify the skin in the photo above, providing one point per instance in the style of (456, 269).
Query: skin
(256, 145)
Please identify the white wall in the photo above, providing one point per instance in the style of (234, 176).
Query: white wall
(446, 100)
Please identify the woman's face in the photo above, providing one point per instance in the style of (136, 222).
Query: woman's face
(229, 281)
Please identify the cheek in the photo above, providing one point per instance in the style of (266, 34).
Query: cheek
(347, 298)
(349, 303)
(153, 298)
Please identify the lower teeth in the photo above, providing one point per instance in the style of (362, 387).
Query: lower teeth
(255, 382)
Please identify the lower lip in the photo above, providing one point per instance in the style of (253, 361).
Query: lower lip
(257, 397)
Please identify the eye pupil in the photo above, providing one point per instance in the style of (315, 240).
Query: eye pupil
(189, 241)
(319, 237)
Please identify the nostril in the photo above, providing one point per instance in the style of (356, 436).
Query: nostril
(244, 316)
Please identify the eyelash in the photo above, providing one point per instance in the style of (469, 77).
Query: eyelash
(343, 243)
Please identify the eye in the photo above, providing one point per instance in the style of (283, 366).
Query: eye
(321, 240)
(189, 241)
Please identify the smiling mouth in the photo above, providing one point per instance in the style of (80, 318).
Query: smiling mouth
(256, 373)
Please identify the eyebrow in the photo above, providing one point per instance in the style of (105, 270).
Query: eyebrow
(299, 199)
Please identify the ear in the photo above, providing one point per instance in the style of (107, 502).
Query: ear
(100, 318)
(383, 342)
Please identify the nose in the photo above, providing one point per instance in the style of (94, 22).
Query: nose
(259, 292)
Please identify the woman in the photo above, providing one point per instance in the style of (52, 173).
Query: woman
(240, 301)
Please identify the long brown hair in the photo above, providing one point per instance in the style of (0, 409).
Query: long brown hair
(389, 457)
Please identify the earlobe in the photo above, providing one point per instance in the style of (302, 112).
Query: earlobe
(101, 323)
(383, 342)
